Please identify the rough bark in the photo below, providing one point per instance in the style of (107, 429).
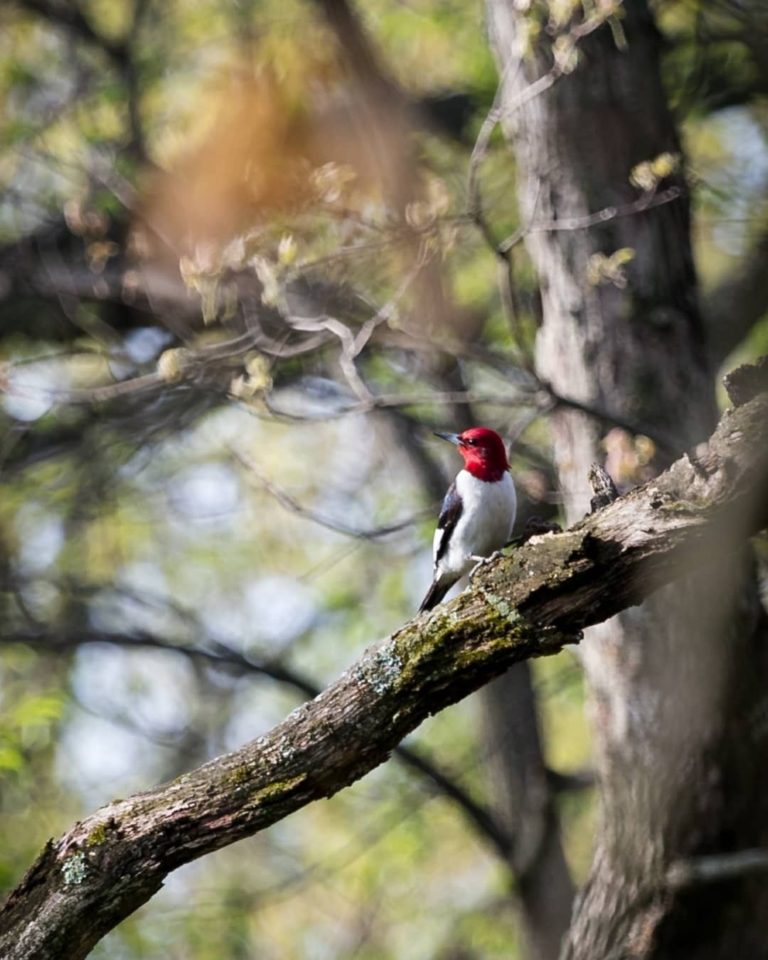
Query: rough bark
(671, 683)
(527, 604)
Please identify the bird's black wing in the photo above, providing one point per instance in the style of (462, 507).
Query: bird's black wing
(450, 513)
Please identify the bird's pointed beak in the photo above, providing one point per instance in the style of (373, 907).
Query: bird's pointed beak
(450, 437)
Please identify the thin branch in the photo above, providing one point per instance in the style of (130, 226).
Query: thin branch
(647, 201)
(717, 868)
(541, 395)
(663, 442)
(337, 526)
(603, 487)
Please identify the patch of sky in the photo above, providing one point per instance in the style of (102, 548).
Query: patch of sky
(143, 579)
(100, 759)
(209, 492)
(144, 344)
(266, 614)
(278, 609)
(742, 179)
(346, 493)
(41, 537)
(138, 601)
(256, 710)
(313, 396)
(29, 393)
(156, 688)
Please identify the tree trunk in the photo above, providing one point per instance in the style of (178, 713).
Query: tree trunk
(673, 684)
(523, 802)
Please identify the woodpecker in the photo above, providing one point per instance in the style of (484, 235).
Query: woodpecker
(477, 513)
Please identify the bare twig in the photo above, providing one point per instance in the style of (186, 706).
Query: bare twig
(647, 201)
(604, 488)
(293, 505)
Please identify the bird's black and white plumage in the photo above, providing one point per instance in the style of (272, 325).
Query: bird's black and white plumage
(477, 514)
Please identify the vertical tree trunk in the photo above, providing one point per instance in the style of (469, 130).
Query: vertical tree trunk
(523, 802)
(681, 771)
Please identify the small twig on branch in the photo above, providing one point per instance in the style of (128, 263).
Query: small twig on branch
(603, 486)
(647, 201)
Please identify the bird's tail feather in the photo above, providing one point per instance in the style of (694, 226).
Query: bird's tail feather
(434, 595)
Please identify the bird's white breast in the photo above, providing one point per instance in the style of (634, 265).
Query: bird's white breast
(485, 525)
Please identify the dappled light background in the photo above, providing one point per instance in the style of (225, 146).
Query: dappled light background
(249, 261)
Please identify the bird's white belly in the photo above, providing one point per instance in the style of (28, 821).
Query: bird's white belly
(485, 525)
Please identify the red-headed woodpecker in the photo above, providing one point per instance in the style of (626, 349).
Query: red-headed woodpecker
(477, 513)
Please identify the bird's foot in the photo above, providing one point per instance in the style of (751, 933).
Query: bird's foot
(481, 561)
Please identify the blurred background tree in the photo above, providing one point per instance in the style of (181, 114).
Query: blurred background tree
(251, 255)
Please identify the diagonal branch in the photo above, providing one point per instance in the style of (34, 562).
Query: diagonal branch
(434, 777)
(530, 603)
(337, 526)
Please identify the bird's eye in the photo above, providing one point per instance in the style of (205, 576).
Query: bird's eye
(471, 442)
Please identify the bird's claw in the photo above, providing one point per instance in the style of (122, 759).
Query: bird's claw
(482, 561)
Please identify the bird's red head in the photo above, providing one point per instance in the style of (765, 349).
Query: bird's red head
(485, 456)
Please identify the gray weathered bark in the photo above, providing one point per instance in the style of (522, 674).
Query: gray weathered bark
(672, 683)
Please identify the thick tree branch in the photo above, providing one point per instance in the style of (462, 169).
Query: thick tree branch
(527, 604)
(478, 816)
